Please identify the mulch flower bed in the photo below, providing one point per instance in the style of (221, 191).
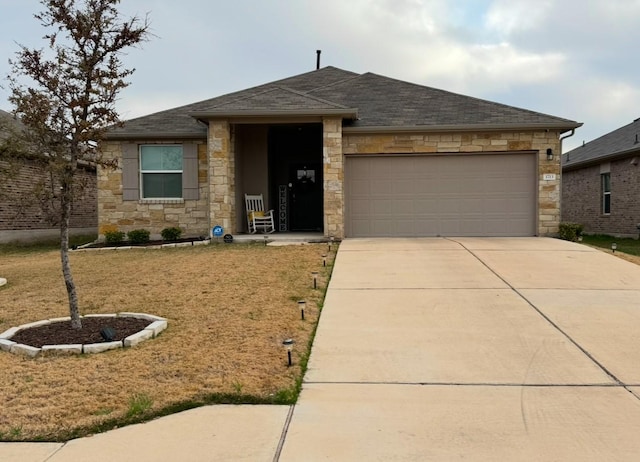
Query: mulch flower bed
(61, 333)
(99, 245)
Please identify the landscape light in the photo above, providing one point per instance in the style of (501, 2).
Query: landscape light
(288, 344)
(108, 334)
(614, 246)
(302, 305)
(315, 279)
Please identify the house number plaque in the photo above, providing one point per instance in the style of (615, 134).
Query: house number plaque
(282, 207)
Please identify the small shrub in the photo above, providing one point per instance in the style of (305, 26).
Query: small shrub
(114, 237)
(138, 236)
(171, 234)
(570, 231)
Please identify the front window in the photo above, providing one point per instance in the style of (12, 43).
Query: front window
(161, 171)
(606, 193)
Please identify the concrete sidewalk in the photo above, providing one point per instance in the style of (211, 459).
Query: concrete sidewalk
(434, 349)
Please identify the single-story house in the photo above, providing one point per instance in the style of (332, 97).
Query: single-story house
(601, 183)
(345, 154)
(23, 216)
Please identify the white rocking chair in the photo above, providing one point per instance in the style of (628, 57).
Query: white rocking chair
(257, 216)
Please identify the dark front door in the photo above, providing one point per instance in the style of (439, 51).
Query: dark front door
(295, 175)
(305, 197)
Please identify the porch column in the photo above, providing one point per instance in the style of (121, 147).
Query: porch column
(222, 176)
(333, 165)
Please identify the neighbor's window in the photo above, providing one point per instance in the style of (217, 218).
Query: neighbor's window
(606, 193)
(161, 171)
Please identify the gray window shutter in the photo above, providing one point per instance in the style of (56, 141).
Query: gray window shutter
(190, 189)
(130, 174)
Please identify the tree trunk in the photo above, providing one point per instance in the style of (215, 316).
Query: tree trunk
(74, 312)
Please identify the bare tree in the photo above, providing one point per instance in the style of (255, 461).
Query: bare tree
(68, 101)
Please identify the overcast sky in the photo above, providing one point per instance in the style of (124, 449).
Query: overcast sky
(575, 59)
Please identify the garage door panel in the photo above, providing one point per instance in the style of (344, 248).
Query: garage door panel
(454, 195)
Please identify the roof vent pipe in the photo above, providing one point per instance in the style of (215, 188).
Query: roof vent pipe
(636, 142)
(318, 59)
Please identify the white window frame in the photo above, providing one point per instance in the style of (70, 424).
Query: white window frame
(143, 172)
(605, 194)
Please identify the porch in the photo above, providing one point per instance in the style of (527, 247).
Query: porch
(295, 165)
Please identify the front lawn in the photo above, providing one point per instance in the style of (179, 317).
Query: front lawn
(229, 309)
(624, 245)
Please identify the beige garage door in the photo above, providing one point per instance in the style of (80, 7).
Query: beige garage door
(449, 195)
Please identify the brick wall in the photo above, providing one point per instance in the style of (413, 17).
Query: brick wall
(153, 215)
(19, 210)
(548, 190)
(582, 199)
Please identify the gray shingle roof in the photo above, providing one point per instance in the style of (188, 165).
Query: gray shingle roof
(273, 100)
(381, 103)
(618, 143)
(387, 102)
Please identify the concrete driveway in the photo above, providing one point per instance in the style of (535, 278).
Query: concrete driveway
(473, 349)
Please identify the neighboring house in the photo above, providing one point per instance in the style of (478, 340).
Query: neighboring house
(345, 154)
(601, 183)
(22, 216)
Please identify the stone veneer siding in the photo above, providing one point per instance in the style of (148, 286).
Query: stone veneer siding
(153, 215)
(222, 173)
(582, 198)
(433, 143)
(333, 163)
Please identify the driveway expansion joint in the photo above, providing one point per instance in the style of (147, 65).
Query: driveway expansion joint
(545, 317)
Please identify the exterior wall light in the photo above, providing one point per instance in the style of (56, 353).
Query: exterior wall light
(302, 305)
(614, 246)
(549, 154)
(288, 344)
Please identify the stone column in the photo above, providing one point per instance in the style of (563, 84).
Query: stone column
(548, 189)
(221, 176)
(333, 177)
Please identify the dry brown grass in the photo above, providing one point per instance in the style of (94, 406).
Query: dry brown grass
(229, 308)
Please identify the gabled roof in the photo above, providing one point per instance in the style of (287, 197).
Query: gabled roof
(619, 143)
(367, 102)
(275, 101)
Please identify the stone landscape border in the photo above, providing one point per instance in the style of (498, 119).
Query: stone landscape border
(88, 248)
(156, 325)
(3, 281)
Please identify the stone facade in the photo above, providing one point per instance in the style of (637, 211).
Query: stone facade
(217, 177)
(154, 215)
(433, 143)
(582, 198)
(22, 218)
(333, 161)
(222, 173)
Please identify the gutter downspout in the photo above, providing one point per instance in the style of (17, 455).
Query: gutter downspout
(561, 139)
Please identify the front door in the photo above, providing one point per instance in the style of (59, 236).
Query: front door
(305, 197)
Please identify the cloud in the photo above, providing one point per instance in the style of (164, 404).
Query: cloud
(507, 16)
